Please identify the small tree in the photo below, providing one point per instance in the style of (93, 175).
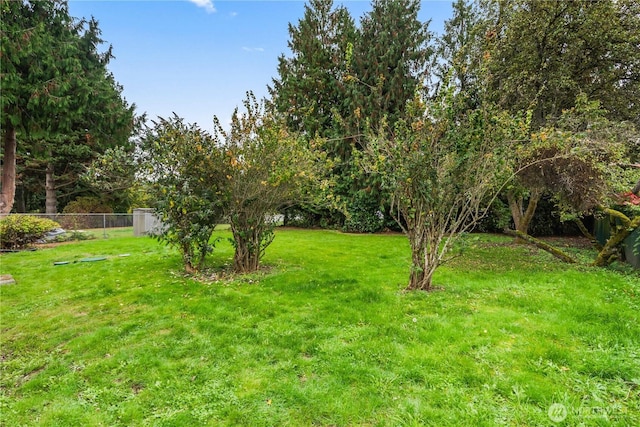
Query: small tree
(187, 173)
(267, 169)
(442, 168)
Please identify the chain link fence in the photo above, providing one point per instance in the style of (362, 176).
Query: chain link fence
(99, 223)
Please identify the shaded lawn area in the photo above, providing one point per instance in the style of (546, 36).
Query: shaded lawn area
(324, 336)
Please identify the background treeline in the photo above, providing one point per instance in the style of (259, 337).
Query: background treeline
(523, 114)
(63, 113)
(525, 57)
(61, 108)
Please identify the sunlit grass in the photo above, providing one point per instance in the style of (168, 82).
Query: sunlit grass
(324, 336)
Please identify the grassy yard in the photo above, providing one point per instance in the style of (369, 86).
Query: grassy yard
(324, 337)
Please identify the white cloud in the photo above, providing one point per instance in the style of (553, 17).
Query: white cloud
(233, 14)
(205, 4)
(252, 49)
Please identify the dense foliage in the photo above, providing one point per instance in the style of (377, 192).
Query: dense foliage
(543, 56)
(19, 231)
(61, 107)
(186, 171)
(580, 160)
(337, 84)
(268, 168)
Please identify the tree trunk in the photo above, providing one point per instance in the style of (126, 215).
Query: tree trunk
(424, 262)
(8, 192)
(608, 254)
(419, 280)
(192, 258)
(20, 205)
(189, 268)
(246, 258)
(246, 240)
(522, 217)
(51, 203)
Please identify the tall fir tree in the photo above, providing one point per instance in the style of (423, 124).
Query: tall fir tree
(388, 67)
(59, 100)
(312, 88)
(340, 80)
(390, 59)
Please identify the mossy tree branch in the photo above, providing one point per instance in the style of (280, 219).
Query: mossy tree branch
(608, 254)
(626, 222)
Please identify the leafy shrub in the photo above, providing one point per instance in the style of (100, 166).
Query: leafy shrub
(87, 204)
(188, 183)
(18, 231)
(364, 215)
(83, 205)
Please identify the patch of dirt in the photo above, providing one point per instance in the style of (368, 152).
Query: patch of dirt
(137, 388)
(26, 377)
(226, 275)
(579, 242)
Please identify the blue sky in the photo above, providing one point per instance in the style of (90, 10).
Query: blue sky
(198, 58)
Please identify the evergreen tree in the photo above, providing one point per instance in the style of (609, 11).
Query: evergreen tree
(390, 59)
(388, 67)
(58, 99)
(310, 88)
(340, 80)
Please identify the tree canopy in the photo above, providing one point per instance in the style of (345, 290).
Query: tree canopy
(59, 99)
(338, 82)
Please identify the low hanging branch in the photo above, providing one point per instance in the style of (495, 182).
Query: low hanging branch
(542, 245)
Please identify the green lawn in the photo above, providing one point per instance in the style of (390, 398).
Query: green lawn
(324, 337)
